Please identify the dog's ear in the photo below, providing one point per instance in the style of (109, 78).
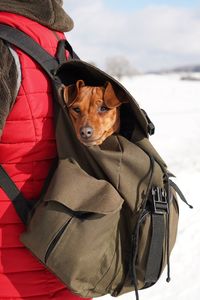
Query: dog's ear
(110, 98)
(70, 92)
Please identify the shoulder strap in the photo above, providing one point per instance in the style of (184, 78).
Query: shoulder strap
(49, 64)
(29, 46)
(21, 205)
(21, 40)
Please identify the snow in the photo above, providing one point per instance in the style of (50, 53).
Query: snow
(174, 107)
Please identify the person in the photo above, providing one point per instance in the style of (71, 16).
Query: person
(27, 144)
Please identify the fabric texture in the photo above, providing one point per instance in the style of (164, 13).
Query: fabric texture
(27, 150)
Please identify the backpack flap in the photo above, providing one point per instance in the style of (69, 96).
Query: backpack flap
(75, 189)
(79, 220)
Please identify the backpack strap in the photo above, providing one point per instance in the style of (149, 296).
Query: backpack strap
(22, 206)
(64, 45)
(29, 46)
(48, 64)
(155, 250)
(21, 40)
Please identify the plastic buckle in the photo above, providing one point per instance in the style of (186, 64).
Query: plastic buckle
(159, 201)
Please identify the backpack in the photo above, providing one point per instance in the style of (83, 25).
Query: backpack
(107, 218)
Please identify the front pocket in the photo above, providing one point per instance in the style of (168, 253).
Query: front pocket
(113, 276)
(55, 240)
(86, 249)
(46, 223)
(72, 229)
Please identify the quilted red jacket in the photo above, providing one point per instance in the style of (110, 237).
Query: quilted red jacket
(27, 149)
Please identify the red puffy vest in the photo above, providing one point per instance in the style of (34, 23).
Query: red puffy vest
(27, 149)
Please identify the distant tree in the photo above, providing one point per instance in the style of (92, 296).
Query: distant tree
(119, 66)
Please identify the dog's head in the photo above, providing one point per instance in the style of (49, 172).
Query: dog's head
(94, 111)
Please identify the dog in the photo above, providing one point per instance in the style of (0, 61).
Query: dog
(94, 111)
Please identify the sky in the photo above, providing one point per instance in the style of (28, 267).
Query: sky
(134, 4)
(151, 35)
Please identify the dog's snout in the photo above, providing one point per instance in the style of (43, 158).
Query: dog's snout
(86, 132)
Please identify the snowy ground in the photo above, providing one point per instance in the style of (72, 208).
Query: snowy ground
(174, 107)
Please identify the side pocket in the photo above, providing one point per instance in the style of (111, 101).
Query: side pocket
(156, 232)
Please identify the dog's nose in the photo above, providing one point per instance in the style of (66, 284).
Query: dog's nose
(86, 132)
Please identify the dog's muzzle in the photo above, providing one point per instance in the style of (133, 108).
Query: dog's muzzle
(86, 132)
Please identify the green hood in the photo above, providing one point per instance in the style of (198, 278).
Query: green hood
(46, 12)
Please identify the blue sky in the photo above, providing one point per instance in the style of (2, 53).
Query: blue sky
(138, 4)
(151, 35)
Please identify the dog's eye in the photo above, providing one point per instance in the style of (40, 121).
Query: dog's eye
(103, 108)
(77, 110)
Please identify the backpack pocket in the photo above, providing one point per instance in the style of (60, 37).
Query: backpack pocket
(154, 239)
(73, 229)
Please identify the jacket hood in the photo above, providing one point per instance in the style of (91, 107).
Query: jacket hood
(46, 12)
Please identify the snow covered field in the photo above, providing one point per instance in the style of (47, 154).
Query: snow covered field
(174, 107)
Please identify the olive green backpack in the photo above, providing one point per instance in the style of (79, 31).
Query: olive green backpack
(106, 222)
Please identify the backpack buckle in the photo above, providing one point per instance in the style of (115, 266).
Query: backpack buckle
(159, 201)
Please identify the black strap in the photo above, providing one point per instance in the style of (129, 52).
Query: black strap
(64, 45)
(21, 205)
(29, 46)
(21, 40)
(176, 188)
(49, 64)
(155, 255)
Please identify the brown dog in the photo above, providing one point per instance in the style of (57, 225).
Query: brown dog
(94, 111)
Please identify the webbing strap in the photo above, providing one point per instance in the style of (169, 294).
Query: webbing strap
(23, 41)
(156, 249)
(176, 188)
(29, 46)
(64, 45)
(49, 64)
(21, 205)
